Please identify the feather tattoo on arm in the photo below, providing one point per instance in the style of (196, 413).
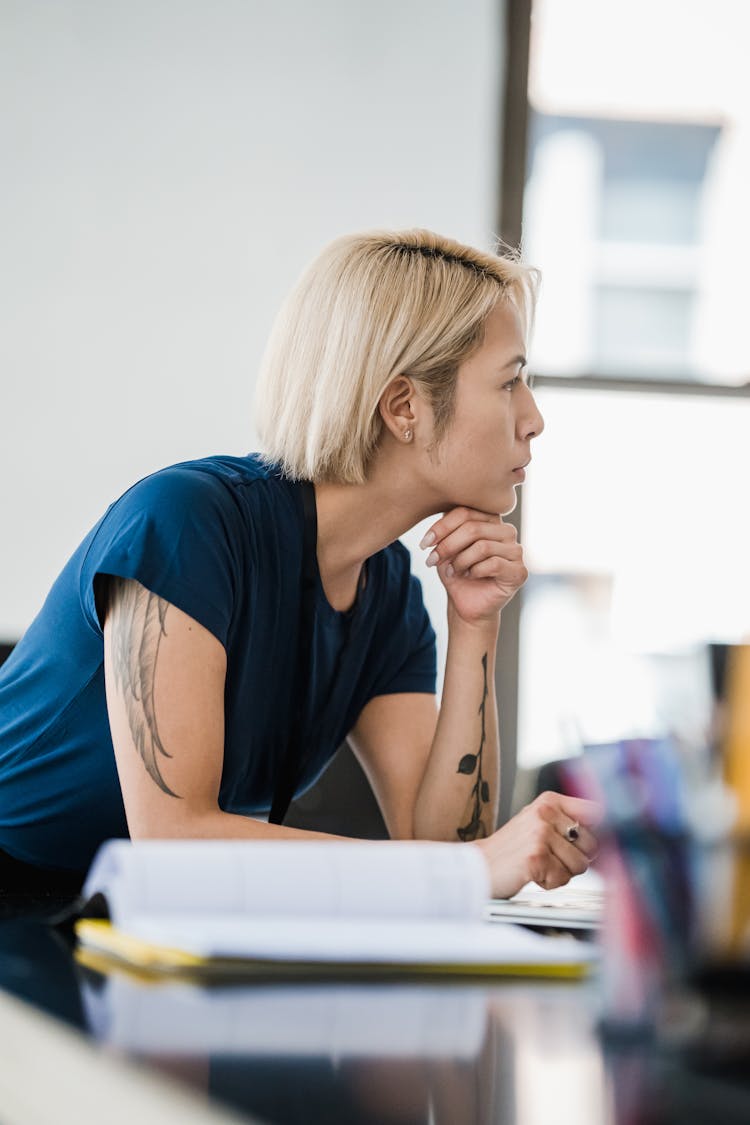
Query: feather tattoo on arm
(138, 626)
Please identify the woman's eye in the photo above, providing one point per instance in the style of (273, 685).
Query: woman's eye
(528, 380)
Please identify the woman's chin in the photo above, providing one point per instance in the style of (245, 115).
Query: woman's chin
(505, 511)
(503, 501)
(500, 501)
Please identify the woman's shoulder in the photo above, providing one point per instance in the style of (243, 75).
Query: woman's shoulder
(215, 480)
(230, 469)
(190, 533)
(192, 504)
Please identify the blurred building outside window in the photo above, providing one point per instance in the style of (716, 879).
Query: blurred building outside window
(634, 517)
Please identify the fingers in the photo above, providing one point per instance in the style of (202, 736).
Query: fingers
(478, 550)
(553, 874)
(556, 861)
(510, 572)
(586, 842)
(586, 812)
(453, 519)
(475, 539)
(558, 864)
(460, 527)
(558, 811)
(570, 856)
(556, 858)
(533, 846)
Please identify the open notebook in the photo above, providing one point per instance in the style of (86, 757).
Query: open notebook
(579, 905)
(208, 908)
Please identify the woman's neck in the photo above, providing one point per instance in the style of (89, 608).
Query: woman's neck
(356, 521)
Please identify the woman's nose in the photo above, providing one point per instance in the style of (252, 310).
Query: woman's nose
(531, 422)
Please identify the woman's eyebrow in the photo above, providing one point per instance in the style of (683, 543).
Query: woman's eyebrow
(516, 359)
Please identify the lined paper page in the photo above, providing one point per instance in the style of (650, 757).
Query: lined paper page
(309, 880)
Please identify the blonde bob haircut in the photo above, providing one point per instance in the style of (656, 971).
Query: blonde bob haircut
(371, 307)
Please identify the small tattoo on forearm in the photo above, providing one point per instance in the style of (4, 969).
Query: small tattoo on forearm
(476, 827)
(138, 627)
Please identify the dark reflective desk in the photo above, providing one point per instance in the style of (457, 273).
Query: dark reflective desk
(366, 1053)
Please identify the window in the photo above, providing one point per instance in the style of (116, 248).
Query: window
(639, 553)
(634, 511)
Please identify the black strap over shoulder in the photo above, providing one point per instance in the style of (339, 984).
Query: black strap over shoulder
(291, 765)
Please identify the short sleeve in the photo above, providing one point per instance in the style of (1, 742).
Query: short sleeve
(178, 533)
(413, 666)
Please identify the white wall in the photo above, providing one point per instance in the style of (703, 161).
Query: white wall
(168, 169)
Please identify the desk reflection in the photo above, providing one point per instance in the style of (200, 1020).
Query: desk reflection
(406, 1054)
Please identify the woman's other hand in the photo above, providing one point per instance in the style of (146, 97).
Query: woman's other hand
(479, 561)
(533, 846)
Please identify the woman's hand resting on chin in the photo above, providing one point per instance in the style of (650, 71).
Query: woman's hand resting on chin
(532, 846)
(479, 561)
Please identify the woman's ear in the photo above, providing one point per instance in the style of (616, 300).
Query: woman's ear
(399, 407)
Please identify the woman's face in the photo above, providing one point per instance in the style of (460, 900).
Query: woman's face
(479, 462)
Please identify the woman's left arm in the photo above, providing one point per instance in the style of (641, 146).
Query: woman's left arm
(439, 778)
(460, 789)
(436, 775)
(441, 782)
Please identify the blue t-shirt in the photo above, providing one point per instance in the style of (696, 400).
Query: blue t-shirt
(221, 539)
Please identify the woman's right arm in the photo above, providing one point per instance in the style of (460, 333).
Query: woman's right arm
(165, 676)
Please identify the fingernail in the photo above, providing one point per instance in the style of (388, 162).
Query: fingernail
(449, 572)
(433, 558)
(428, 539)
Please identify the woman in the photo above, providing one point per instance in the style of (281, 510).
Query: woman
(229, 621)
